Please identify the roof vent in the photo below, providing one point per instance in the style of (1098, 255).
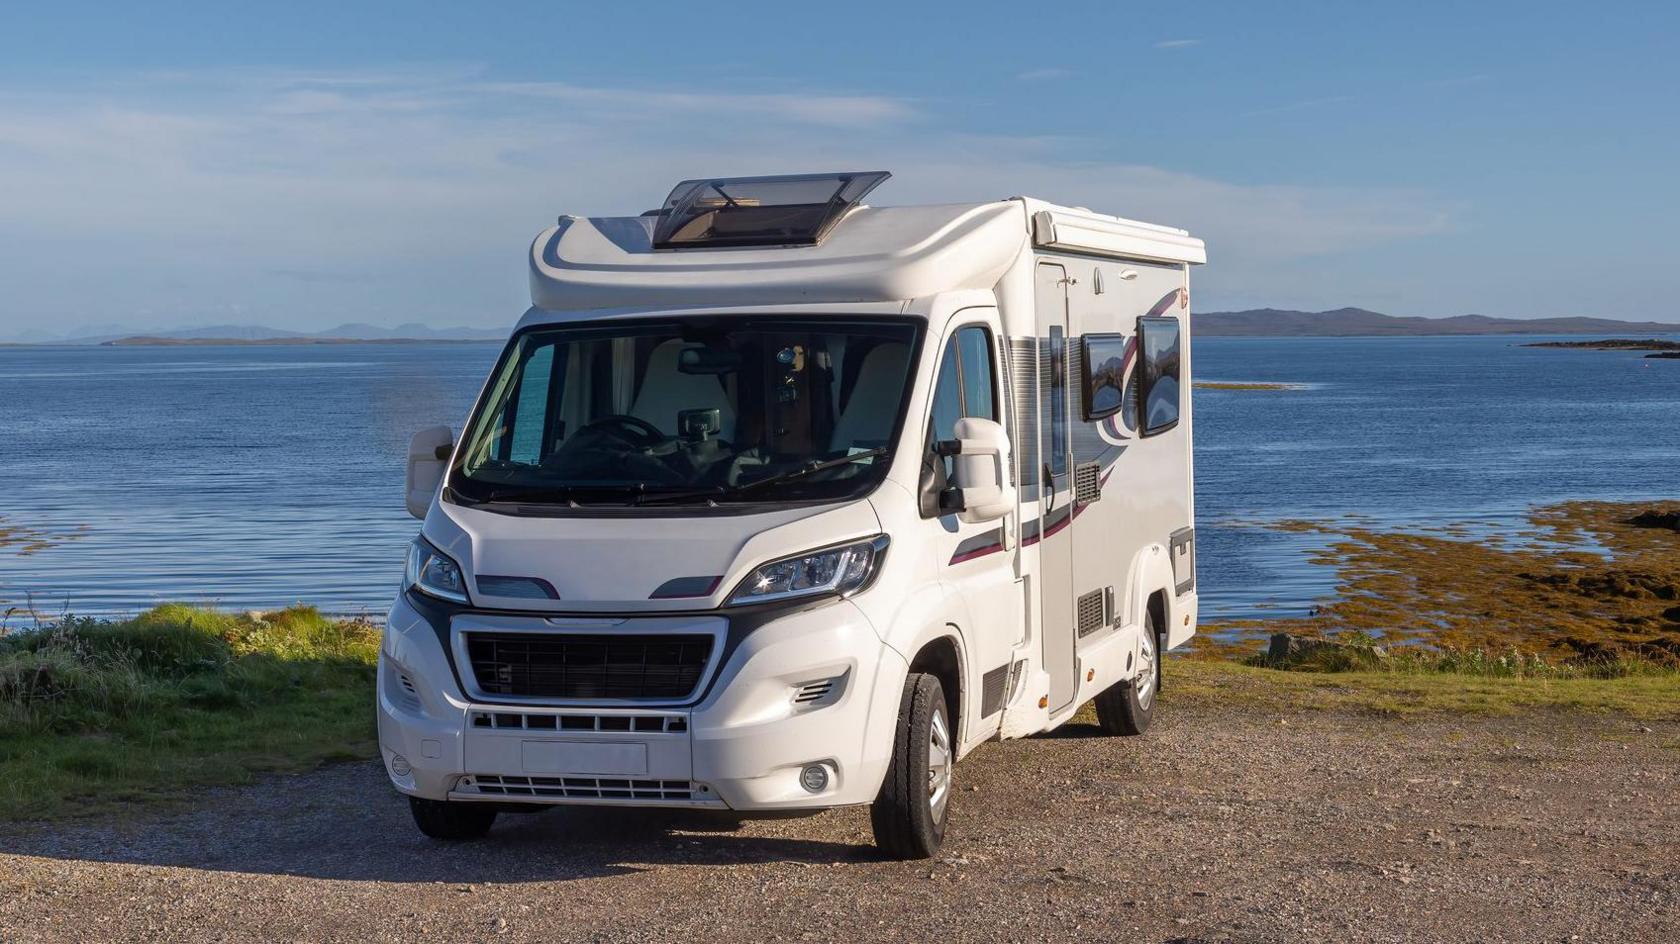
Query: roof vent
(792, 210)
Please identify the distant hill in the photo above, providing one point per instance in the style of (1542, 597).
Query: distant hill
(262, 334)
(1358, 322)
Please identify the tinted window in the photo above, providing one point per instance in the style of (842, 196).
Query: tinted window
(966, 384)
(976, 346)
(947, 393)
(1105, 375)
(1058, 401)
(1159, 350)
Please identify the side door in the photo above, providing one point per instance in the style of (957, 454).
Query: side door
(1055, 487)
(976, 560)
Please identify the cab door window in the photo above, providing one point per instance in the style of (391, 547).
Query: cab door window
(965, 386)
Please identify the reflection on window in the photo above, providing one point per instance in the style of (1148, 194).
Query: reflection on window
(707, 409)
(525, 444)
(1058, 402)
(966, 385)
(1105, 375)
(1158, 343)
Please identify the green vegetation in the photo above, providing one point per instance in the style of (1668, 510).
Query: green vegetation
(95, 714)
(1581, 612)
(1241, 385)
(1450, 686)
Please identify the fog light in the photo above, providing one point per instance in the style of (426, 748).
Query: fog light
(814, 778)
(399, 765)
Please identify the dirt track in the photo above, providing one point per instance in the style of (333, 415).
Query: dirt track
(1219, 826)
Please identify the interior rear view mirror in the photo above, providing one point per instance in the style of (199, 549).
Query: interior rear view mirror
(428, 457)
(707, 360)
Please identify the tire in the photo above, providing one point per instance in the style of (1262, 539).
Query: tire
(909, 813)
(452, 822)
(1128, 706)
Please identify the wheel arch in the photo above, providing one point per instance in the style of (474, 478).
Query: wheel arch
(940, 654)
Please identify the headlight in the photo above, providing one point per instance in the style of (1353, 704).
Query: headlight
(431, 571)
(836, 570)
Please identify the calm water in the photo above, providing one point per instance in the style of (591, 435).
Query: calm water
(252, 477)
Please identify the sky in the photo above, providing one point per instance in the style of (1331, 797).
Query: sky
(301, 165)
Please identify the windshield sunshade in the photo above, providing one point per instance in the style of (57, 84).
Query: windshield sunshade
(794, 210)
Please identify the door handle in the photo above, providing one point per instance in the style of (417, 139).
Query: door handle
(1049, 485)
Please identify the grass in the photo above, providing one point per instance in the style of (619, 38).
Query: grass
(1647, 693)
(97, 714)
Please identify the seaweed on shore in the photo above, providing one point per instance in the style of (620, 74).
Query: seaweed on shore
(1546, 592)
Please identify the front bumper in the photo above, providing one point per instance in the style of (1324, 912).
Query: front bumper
(813, 685)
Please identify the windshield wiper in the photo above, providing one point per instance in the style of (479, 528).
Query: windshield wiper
(812, 467)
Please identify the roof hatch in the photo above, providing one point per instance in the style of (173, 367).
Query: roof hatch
(791, 210)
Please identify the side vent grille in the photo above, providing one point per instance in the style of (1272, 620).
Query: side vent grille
(992, 686)
(1091, 610)
(820, 693)
(1022, 365)
(401, 690)
(1087, 482)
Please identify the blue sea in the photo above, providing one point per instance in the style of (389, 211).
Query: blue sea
(252, 477)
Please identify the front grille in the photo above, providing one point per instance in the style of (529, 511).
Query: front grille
(586, 788)
(577, 665)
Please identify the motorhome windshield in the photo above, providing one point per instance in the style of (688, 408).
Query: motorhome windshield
(718, 410)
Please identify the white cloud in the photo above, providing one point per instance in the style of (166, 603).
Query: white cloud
(1177, 43)
(327, 199)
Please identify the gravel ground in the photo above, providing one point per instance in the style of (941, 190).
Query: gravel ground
(1221, 825)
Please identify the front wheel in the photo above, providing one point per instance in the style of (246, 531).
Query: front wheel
(908, 815)
(441, 819)
(1128, 706)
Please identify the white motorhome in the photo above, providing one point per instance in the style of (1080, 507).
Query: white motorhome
(777, 501)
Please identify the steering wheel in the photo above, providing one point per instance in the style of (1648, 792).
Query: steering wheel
(633, 430)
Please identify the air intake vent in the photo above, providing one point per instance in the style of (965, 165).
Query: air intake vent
(819, 693)
(991, 690)
(1087, 482)
(574, 722)
(591, 788)
(588, 665)
(1091, 612)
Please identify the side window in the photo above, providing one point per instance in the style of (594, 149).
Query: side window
(947, 393)
(979, 397)
(1158, 347)
(966, 386)
(1058, 402)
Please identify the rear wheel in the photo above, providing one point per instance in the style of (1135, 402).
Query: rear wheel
(909, 813)
(1127, 707)
(441, 819)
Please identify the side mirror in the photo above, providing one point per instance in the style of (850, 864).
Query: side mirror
(980, 478)
(428, 457)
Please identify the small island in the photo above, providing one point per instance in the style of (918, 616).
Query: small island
(1661, 348)
(1243, 385)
